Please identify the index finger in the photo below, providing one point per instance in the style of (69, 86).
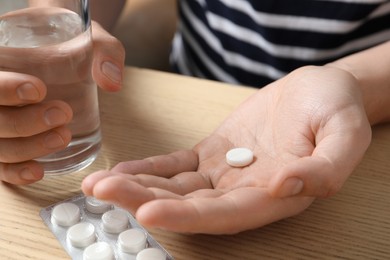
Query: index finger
(112, 186)
(161, 165)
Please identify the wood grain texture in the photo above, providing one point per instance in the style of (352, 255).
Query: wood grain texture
(158, 113)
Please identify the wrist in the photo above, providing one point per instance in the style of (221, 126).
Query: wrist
(373, 80)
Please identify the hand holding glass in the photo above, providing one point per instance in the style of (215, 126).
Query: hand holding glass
(52, 41)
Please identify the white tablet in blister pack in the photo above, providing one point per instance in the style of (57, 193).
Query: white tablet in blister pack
(91, 229)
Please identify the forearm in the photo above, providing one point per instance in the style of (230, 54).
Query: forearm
(372, 70)
(106, 12)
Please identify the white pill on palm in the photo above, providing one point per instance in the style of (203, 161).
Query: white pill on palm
(239, 157)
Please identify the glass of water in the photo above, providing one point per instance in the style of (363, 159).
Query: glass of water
(51, 39)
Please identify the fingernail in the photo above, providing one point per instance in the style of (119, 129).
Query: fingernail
(53, 140)
(55, 117)
(291, 186)
(112, 72)
(27, 175)
(27, 92)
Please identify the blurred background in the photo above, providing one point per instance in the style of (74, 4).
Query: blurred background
(146, 28)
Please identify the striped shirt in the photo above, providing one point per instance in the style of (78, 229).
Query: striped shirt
(254, 42)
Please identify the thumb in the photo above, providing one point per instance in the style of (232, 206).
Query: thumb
(308, 176)
(108, 62)
(322, 174)
(333, 160)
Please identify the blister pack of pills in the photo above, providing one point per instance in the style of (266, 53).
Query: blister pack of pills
(90, 229)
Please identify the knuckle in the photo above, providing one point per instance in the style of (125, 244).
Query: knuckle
(13, 124)
(17, 128)
(121, 166)
(331, 189)
(20, 128)
(10, 155)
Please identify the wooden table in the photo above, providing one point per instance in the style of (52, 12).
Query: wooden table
(157, 113)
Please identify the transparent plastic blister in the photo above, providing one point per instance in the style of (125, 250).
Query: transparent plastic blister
(91, 229)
